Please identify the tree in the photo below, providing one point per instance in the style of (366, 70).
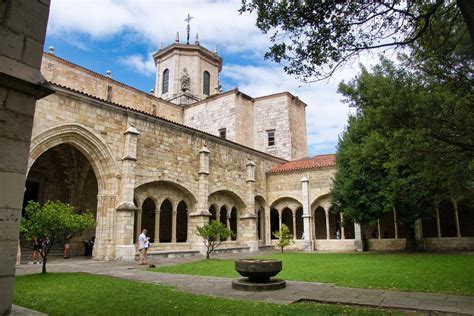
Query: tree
(314, 38)
(213, 234)
(408, 145)
(55, 221)
(284, 237)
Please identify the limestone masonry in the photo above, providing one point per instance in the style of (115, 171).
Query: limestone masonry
(183, 154)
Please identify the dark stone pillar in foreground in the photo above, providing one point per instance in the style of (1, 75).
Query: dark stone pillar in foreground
(22, 32)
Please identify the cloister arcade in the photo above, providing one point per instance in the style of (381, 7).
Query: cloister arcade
(63, 172)
(163, 209)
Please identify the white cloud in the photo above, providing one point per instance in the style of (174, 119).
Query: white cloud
(158, 21)
(138, 63)
(96, 18)
(218, 22)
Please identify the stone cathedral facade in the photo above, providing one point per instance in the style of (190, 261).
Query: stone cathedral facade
(187, 152)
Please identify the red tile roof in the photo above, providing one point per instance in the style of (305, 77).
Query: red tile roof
(315, 162)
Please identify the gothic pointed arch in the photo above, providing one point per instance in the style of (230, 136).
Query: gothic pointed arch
(286, 201)
(165, 189)
(90, 145)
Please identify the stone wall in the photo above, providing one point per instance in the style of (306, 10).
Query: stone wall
(213, 114)
(288, 184)
(271, 113)
(67, 74)
(297, 116)
(450, 244)
(244, 125)
(334, 245)
(386, 244)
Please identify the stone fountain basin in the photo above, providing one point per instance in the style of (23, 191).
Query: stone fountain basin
(258, 270)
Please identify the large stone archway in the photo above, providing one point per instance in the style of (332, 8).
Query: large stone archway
(90, 145)
(104, 168)
(63, 173)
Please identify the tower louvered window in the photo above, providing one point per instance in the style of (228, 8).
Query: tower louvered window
(166, 81)
(206, 82)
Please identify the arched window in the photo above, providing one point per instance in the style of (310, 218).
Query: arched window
(166, 81)
(206, 82)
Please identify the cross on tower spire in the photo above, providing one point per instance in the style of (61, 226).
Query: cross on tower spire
(188, 19)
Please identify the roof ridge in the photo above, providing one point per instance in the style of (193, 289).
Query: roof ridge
(165, 119)
(107, 78)
(315, 162)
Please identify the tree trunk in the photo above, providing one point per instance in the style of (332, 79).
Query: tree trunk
(411, 244)
(44, 265)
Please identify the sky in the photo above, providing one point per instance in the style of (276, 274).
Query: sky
(122, 35)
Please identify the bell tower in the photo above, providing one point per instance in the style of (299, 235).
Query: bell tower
(186, 73)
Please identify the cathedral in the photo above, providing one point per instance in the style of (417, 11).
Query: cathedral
(186, 153)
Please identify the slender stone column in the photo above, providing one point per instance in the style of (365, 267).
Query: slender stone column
(157, 224)
(307, 227)
(173, 225)
(395, 222)
(201, 215)
(328, 233)
(379, 235)
(358, 246)
(294, 224)
(139, 221)
(279, 219)
(438, 222)
(456, 218)
(227, 218)
(343, 236)
(419, 234)
(267, 226)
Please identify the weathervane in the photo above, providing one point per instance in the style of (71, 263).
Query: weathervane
(189, 27)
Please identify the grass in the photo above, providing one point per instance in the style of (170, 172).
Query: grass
(423, 272)
(82, 294)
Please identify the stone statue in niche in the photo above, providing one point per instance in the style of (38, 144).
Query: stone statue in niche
(185, 81)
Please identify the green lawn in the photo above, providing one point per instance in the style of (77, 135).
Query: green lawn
(82, 294)
(442, 273)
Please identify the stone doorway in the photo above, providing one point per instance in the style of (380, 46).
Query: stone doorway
(63, 173)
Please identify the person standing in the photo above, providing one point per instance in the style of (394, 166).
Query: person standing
(143, 243)
(37, 248)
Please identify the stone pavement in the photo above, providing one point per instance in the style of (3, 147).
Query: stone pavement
(294, 291)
